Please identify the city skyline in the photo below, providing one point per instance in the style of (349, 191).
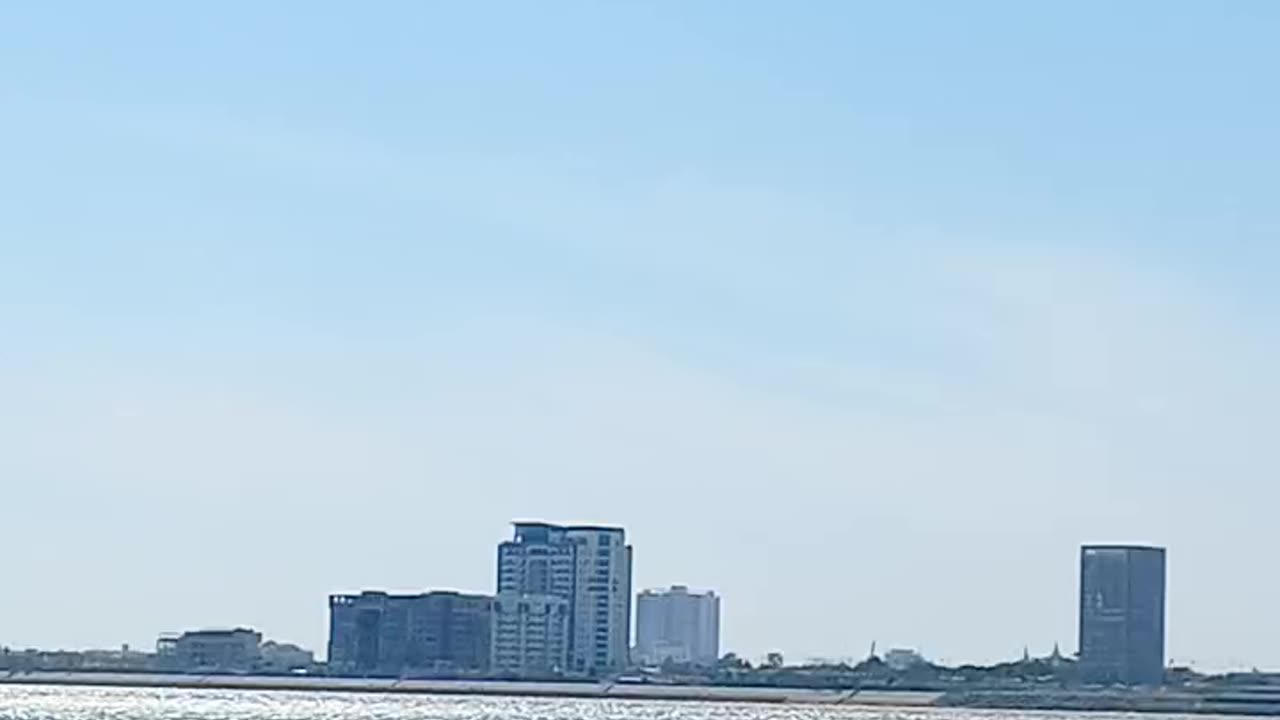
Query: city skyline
(950, 289)
(1120, 623)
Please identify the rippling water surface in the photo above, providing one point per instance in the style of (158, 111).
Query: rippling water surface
(75, 703)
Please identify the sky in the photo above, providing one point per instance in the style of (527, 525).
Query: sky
(865, 315)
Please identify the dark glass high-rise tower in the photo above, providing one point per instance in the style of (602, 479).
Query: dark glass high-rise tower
(1122, 604)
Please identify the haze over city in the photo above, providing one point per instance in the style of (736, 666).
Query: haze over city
(865, 317)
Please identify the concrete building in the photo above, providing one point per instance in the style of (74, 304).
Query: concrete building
(233, 651)
(590, 568)
(437, 633)
(678, 626)
(1122, 614)
(530, 635)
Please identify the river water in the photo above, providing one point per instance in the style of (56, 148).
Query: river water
(83, 703)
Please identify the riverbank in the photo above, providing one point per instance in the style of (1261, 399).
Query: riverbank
(616, 691)
(1156, 701)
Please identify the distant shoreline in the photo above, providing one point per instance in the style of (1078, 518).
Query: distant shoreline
(1168, 702)
(513, 688)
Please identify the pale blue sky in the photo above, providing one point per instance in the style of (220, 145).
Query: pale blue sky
(865, 315)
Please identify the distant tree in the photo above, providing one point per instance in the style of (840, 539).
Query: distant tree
(774, 660)
(731, 661)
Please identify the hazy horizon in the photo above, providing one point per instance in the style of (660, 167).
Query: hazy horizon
(865, 316)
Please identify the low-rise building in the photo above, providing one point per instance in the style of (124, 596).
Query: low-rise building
(237, 650)
(902, 659)
(285, 658)
(32, 660)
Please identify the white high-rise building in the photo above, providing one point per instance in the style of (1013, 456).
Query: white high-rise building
(677, 625)
(590, 568)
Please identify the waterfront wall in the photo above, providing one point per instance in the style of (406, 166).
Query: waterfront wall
(480, 687)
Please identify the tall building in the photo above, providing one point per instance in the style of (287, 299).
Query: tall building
(587, 566)
(1122, 607)
(530, 635)
(378, 634)
(677, 625)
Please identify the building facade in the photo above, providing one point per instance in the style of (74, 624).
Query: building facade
(589, 567)
(530, 635)
(1122, 614)
(233, 651)
(437, 633)
(678, 626)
